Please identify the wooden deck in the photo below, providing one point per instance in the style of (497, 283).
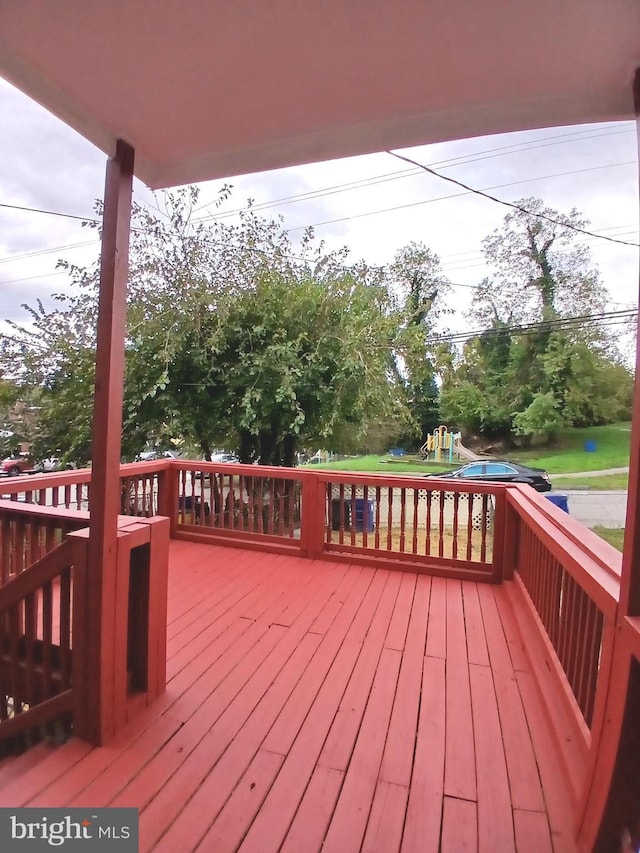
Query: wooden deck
(314, 705)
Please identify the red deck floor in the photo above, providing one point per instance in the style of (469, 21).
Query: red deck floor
(319, 706)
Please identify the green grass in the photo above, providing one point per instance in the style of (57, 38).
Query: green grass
(605, 483)
(568, 454)
(381, 464)
(613, 535)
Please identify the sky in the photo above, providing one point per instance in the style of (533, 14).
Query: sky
(373, 204)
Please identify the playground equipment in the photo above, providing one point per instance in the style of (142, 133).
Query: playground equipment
(443, 445)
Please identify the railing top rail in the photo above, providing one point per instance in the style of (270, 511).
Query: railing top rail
(601, 551)
(240, 468)
(130, 468)
(413, 481)
(580, 555)
(26, 508)
(33, 482)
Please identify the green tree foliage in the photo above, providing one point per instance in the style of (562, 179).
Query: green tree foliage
(421, 289)
(532, 371)
(235, 338)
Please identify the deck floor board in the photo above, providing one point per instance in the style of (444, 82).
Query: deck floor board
(324, 706)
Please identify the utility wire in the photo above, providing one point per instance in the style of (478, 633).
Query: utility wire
(513, 206)
(462, 160)
(605, 318)
(24, 256)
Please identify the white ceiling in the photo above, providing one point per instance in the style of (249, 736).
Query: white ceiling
(212, 88)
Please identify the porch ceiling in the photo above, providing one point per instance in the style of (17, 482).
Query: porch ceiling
(209, 89)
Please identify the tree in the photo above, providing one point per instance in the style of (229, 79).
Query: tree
(535, 369)
(542, 271)
(421, 289)
(235, 338)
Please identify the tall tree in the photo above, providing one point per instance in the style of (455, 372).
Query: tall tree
(422, 290)
(542, 268)
(235, 338)
(535, 369)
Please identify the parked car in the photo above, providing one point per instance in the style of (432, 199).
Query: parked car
(224, 457)
(497, 471)
(15, 465)
(51, 463)
(153, 455)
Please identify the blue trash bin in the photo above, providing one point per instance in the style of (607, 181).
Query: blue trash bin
(364, 516)
(561, 501)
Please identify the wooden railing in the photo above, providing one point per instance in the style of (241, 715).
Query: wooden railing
(239, 504)
(66, 489)
(29, 531)
(36, 640)
(141, 488)
(428, 524)
(406, 522)
(45, 669)
(566, 592)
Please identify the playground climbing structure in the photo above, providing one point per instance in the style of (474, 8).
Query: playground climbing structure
(442, 445)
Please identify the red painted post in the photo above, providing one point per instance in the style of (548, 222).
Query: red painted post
(601, 782)
(313, 514)
(630, 582)
(96, 720)
(510, 539)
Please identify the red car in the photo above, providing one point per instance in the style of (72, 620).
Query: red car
(17, 465)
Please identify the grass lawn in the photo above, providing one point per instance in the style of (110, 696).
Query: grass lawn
(613, 535)
(606, 482)
(381, 464)
(568, 454)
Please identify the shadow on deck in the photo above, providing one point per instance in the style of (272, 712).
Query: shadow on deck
(315, 705)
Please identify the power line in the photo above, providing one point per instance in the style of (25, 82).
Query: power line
(605, 318)
(456, 195)
(38, 252)
(49, 212)
(462, 160)
(517, 206)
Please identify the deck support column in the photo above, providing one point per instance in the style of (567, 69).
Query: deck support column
(610, 803)
(630, 585)
(95, 712)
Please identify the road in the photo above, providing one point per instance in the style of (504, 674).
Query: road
(592, 507)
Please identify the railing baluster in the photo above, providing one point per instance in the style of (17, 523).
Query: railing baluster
(483, 527)
(28, 660)
(366, 516)
(427, 543)
(403, 516)
(65, 640)
(376, 535)
(443, 497)
(456, 510)
(281, 491)
(47, 638)
(414, 539)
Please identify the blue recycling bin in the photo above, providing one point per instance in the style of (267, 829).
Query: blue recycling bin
(364, 516)
(561, 501)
